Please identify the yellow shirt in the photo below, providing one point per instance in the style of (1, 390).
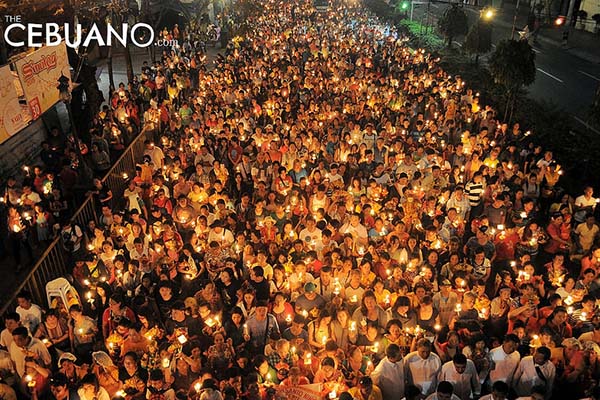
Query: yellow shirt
(375, 394)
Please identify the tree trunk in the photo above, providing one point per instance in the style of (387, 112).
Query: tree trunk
(477, 59)
(129, 64)
(507, 104)
(111, 78)
(450, 38)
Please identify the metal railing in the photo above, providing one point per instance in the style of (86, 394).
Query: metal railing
(52, 263)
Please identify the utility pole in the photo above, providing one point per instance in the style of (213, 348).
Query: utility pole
(512, 34)
(568, 24)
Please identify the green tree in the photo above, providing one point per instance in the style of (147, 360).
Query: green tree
(453, 23)
(479, 39)
(513, 66)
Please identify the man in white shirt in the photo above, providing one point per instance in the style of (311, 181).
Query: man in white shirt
(31, 314)
(12, 320)
(311, 234)
(25, 348)
(537, 393)
(356, 229)
(156, 154)
(389, 374)
(536, 370)
(445, 391)
(462, 373)
(506, 359)
(584, 204)
(499, 392)
(422, 367)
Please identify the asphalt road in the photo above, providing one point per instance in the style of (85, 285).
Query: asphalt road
(564, 79)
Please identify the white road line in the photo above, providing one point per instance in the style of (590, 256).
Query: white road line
(550, 75)
(458, 44)
(536, 50)
(588, 75)
(586, 124)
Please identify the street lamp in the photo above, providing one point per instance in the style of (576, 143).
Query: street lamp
(488, 13)
(64, 94)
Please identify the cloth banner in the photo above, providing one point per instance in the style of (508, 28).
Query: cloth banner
(12, 116)
(301, 392)
(39, 72)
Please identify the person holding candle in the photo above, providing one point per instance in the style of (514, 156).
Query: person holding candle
(505, 359)
(266, 374)
(90, 389)
(82, 332)
(259, 327)
(389, 375)
(422, 367)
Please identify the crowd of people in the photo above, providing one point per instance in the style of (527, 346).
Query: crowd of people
(325, 206)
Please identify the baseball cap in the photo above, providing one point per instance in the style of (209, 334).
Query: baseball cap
(310, 287)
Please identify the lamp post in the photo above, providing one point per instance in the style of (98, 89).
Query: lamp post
(64, 94)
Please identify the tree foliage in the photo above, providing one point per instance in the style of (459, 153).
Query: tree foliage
(479, 39)
(513, 64)
(453, 23)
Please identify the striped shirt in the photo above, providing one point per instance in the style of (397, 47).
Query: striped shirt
(474, 191)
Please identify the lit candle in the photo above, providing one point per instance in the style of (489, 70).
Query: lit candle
(308, 359)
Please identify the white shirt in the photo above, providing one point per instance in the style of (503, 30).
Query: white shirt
(309, 237)
(464, 384)
(358, 232)
(526, 377)
(389, 377)
(35, 346)
(581, 201)
(6, 338)
(423, 373)
(505, 365)
(30, 318)
(434, 396)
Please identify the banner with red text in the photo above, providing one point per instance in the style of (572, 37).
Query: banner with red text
(39, 73)
(12, 116)
(301, 392)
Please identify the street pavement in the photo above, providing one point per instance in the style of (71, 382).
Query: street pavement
(565, 77)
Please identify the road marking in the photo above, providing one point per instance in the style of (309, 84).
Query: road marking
(536, 50)
(550, 75)
(591, 76)
(458, 44)
(586, 124)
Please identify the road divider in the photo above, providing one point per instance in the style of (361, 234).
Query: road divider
(550, 75)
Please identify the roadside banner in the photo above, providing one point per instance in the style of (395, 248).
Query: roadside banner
(12, 116)
(301, 392)
(39, 72)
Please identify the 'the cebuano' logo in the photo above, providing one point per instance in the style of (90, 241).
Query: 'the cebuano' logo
(50, 34)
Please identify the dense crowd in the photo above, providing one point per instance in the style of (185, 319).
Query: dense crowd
(325, 206)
